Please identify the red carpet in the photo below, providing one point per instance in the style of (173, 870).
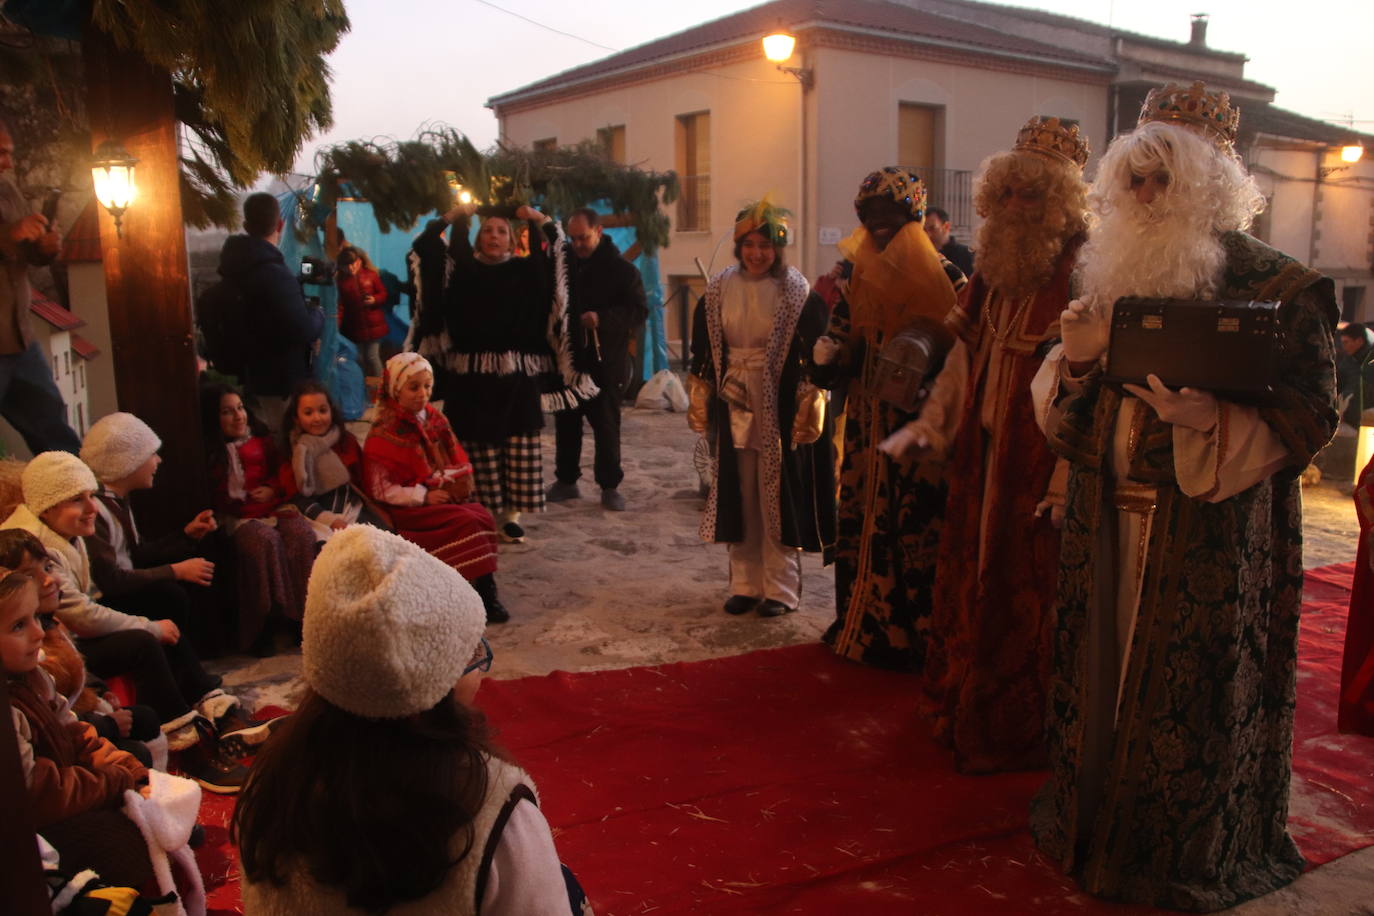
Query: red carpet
(787, 781)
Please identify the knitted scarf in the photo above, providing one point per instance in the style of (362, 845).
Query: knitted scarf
(318, 469)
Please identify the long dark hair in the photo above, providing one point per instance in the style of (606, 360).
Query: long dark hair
(288, 420)
(367, 806)
(211, 435)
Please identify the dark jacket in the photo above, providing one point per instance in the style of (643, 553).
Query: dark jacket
(151, 561)
(285, 328)
(609, 285)
(489, 369)
(958, 255)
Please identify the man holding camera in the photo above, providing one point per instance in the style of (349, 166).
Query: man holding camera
(1171, 698)
(29, 399)
(283, 329)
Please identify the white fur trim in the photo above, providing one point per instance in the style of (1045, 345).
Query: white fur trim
(794, 291)
(578, 386)
(52, 477)
(117, 445)
(388, 627)
(165, 818)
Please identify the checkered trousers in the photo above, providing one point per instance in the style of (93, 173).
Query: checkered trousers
(508, 475)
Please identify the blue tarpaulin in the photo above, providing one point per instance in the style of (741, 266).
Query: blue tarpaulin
(337, 363)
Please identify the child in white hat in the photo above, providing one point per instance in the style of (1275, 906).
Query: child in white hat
(383, 789)
(59, 510)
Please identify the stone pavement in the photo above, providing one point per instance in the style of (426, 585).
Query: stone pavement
(592, 590)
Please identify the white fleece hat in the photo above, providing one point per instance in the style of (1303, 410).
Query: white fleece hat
(388, 627)
(52, 477)
(117, 445)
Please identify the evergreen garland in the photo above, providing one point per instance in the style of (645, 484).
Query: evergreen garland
(405, 180)
(250, 80)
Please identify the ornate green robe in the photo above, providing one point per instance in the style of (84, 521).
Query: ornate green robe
(1182, 800)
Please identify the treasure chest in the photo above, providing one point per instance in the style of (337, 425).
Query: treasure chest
(907, 361)
(1224, 346)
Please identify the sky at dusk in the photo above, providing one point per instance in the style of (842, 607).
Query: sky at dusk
(408, 62)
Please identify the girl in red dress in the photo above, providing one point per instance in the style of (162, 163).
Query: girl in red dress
(323, 473)
(274, 549)
(415, 468)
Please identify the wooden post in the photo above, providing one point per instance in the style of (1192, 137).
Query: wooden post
(147, 277)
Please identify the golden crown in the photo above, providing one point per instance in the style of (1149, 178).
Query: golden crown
(1196, 107)
(1051, 137)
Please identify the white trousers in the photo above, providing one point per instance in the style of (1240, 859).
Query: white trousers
(760, 566)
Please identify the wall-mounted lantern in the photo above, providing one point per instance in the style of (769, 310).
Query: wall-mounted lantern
(112, 169)
(777, 47)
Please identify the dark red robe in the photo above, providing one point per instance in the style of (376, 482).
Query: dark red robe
(1356, 710)
(988, 660)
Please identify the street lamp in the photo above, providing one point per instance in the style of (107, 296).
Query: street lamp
(1352, 153)
(112, 169)
(778, 47)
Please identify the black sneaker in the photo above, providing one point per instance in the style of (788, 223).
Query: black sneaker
(239, 737)
(561, 492)
(612, 501)
(740, 604)
(496, 612)
(771, 608)
(512, 533)
(205, 762)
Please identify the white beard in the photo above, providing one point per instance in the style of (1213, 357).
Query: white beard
(1164, 250)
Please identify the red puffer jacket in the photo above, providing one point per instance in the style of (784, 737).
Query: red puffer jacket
(359, 321)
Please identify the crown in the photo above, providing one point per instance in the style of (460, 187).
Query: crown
(1195, 107)
(1050, 137)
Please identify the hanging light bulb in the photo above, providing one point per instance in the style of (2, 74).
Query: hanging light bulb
(112, 170)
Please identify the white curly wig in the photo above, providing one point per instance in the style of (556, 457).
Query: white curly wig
(1170, 247)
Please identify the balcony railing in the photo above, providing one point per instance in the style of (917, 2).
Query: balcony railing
(952, 191)
(694, 203)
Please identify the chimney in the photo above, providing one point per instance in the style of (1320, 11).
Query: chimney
(1199, 39)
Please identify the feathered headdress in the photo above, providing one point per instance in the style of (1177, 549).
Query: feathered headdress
(765, 217)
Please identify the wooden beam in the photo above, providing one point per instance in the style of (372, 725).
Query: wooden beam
(147, 277)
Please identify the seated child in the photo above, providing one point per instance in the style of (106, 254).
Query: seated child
(383, 792)
(75, 780)
(59, 511)
(167, 578)
(273, 549)
(324, 476)
(415, 467)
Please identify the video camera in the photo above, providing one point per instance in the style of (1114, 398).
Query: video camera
(316, 272)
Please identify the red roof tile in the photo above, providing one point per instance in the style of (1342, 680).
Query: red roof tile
(877, 16)
(52, 313)
(84, 348)
(82, 241)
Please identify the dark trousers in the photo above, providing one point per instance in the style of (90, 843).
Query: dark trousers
(30, 401)
(145, 727)
(603, 413)
(168, 599)
(138, 655)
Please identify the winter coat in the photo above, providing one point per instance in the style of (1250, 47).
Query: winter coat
(68, 769)
(359, 321)
(609, 285)
(284, 328)
(79, 608)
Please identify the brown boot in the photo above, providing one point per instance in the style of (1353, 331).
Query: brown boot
(206, 763)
